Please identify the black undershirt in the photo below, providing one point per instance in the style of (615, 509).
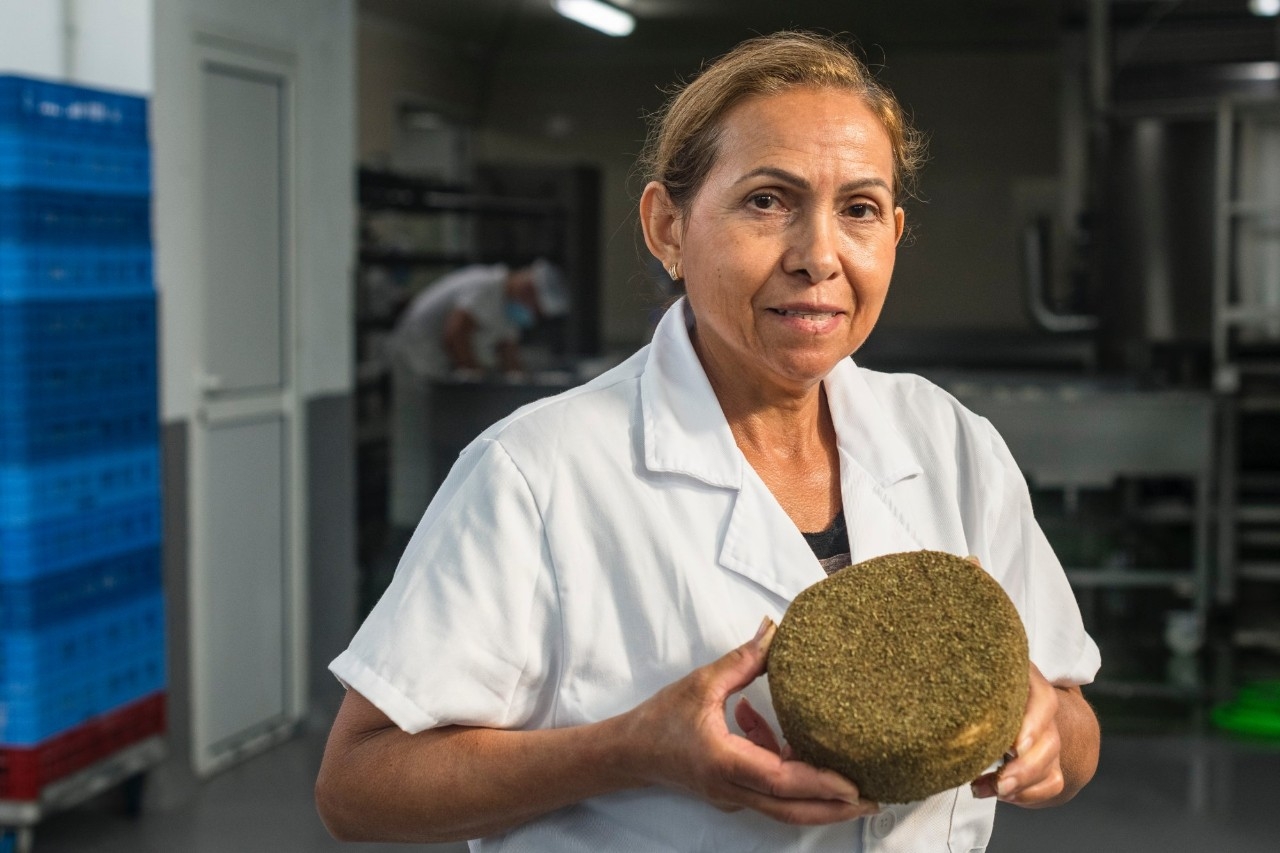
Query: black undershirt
(831, 546)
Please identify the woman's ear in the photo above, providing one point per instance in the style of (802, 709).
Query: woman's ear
(660, 220)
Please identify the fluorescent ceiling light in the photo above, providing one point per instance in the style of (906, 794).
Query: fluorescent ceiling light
(609, 20)
(1265, 8)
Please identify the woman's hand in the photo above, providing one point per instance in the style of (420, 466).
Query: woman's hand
(1033, 773)
(681, 740)
(1055, 754)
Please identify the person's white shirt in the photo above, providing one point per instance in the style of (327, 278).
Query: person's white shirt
(480, 291)
(598, 545)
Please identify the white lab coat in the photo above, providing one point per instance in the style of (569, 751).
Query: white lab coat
(418, 339)
(598, 545)
(418, 358)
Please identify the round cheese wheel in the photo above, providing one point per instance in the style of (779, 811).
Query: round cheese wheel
(906, 673)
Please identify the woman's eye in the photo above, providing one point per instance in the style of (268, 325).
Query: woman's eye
(861, 211)
(764, 201)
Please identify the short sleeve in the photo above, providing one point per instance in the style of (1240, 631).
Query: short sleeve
(465, 633)
(1021, 558)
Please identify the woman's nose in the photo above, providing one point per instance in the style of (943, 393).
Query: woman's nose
(814, 249)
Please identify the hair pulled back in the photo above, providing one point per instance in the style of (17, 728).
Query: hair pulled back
(684, 135)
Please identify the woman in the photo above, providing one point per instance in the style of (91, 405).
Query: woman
(550, 668)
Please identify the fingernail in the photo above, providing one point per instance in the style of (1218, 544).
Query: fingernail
(1023, 746)
(766, 627)
(981, 790)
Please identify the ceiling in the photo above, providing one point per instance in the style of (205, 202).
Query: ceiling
(677, 25)
(710, 26)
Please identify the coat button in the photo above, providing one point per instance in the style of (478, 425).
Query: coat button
(882, 823)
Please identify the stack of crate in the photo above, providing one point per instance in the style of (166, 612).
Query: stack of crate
(82, 665)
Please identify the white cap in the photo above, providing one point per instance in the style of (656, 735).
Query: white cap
(550, 288)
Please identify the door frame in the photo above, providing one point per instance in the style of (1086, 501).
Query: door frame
(249, 60)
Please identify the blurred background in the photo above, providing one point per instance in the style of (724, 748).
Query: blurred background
(237, 200)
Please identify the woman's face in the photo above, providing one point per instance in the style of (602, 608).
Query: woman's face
(788, 247)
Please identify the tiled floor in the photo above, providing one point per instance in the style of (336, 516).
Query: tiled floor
(1153, 794)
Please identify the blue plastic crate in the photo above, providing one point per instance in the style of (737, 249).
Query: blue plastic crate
(57, 677)
(76, 328)
(56, 430)
(41, 107)
(80, 590)
(26, 657)
(80, 378)
(39, 549)
(49, 272)
(80, 696)
(38, 162)
(30, 493)
(73, 221)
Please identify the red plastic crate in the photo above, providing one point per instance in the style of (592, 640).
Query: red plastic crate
(25, 771)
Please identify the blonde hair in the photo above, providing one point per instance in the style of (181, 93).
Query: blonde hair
(684, 135)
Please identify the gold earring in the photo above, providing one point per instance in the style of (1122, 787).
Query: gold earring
(674, 270)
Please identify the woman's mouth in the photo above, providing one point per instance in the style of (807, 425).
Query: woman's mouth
(806, 314)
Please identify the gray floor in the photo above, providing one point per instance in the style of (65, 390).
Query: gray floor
(261, 806)
(1152, 793)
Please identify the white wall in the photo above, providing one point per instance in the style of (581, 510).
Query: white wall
(318, 38)
(100, 43)
(32, 38)
(110, 43)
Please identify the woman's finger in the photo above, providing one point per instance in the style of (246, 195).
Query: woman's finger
(1040, 712)
(984, 786)
(1041, 791)
(747, 766)
(735, 670)
(754, 726)
(804, 812)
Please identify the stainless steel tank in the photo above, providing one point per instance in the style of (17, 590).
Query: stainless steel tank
(1155, 238)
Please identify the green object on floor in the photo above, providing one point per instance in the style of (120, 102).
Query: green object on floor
(1255, 711)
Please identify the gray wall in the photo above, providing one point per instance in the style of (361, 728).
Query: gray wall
(333, 574)
(992, 122)
(992, 118)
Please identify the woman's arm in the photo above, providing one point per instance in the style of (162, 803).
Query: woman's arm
(1056, 752)
(459, 328)
(378, 783)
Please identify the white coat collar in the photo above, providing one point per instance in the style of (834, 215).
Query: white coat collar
(685, 432)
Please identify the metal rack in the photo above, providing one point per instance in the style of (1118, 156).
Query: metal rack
(1082, 436)
(1246, 343)
(125, 767)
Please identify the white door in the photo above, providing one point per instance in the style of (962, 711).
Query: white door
(246, 584)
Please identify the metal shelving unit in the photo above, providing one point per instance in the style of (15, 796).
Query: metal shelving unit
(125, 768)
(1086, 441)
(1246, 343)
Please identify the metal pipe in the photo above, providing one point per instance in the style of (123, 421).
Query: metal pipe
(1036, 280)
